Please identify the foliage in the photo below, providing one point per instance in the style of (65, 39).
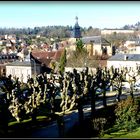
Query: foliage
(117, 39)
(53, 65)
(98, 125)
(79, 58)
(79, 46)
(49, 31)
(63, 61)
(127, 113)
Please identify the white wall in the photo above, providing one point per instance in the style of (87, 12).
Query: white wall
(117, 31)
(135, 50)
(79, 69)
(19, 71)
(97, 49)
(127, 43)
(119, 64)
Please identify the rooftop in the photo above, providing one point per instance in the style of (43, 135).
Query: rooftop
(94, 39)
(120, 57)
(18, 63)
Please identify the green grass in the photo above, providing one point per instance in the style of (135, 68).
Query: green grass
(15, 122)
(123, 134)
(39, 118)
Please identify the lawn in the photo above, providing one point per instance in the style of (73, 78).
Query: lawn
(123, 134)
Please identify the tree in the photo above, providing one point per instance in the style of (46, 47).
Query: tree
(127, 114)
(133, 76)
(104, 83)
(93, 88)
(79, 58)
(118, 79)
(63, 61)
(53, 65)
(79, 46)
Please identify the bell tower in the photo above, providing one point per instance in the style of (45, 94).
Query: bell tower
(76, 29)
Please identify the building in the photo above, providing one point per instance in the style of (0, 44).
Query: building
(20, 70)
(112, 31)
(97, 45)
(8, 58)
(124, 60)
(76, 33)
(28, 67)
(45, 58)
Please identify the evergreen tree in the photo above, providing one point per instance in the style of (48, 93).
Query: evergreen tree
(63, 60)
(79, 45)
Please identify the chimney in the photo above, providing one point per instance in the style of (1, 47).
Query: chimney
(125, 57)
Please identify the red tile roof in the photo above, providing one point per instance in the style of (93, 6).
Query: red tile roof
(45, 57)
(43, 54)
(58, 54)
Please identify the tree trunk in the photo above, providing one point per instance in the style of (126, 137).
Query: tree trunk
(93, 103)
(104, 99)
(61, 126)
(119, 94)
(34, 115)
(5, 119)
(80, 110)
(131, 92)
(4, 116)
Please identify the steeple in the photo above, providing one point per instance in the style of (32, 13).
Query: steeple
(76, 20)
(76, 29)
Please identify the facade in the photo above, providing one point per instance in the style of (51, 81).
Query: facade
(95, 45)
(20, 70)
(23, 69)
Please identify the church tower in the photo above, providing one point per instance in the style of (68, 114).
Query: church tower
(76, 29)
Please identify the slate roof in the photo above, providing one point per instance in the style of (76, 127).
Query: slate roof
(95, 39)
(120, 57)
(18, 63)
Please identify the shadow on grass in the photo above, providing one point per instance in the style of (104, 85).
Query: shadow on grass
(25, 128)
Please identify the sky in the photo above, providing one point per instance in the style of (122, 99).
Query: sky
(98, 14)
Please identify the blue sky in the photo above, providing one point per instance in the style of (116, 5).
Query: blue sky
(100, 14)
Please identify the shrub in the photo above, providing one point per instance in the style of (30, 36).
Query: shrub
(127, 114)
(98, 125)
